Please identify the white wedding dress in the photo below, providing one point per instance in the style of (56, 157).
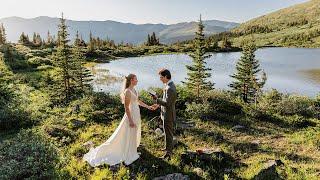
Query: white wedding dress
(122, 144)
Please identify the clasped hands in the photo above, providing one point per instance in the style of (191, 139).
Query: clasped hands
(153, 107)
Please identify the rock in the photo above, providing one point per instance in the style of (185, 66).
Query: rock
(88, 144)
(238, 128)
(256, 142)
(175, 176)
(203, 155)
(76, 109)
(114, 168)
(270, 171)
(77, 123)
(271, 163)
(207, 151)
(175, 141)
(184, 124)
(159, 132)
(198, 171)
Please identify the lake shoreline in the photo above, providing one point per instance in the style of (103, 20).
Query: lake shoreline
(272, 60)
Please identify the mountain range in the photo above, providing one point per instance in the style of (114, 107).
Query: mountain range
(117, 31)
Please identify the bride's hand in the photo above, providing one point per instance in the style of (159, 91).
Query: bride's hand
(150, 108)
(153, 107)
(131, 124)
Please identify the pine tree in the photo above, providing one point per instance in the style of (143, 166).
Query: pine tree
(91, 46)
(24, 39)
(34, 38)
(49, 40)
(77, 40)
(62, 88)
(3, 35)
(226, 44)
(82, 75)
(148, 40)
(152, 40)
(246, 83)
(197, 72)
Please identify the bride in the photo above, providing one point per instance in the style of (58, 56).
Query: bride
(123, 143)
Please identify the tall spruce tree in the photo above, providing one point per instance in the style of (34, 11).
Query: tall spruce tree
(226, 44)
(91, 45)
(77, 40)
(34, 38)
(82, 75)
(62, 88)
(246, 84)
(24, 39)
(198, 73)
(3, 35)
(1, 41)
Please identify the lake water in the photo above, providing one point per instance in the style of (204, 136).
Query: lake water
(284, 67)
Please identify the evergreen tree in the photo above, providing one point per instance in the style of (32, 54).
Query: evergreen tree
(49, 38)
(246, 84)
(152, 40)
(82, 42)
(34, 38)
(77, 40)
(82, 75)
(3, 35)
(1, 40)
(197, 72)
(62, 88)
(24, 39)
(148, 40)
(226, 44)
(38, 41)
(91, 46)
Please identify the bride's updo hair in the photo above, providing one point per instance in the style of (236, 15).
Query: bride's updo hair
(126, 84)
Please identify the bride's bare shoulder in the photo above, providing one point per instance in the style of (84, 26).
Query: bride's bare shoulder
(126, 92)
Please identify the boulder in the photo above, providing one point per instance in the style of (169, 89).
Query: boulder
(238, 128)
(174, 176)
(77, 123)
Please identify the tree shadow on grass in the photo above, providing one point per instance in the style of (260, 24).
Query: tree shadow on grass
(153, 166)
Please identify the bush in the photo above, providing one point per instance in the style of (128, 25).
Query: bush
(105, 107)
(275, 102)
(12, 113)
(28, 155)
(300, 105)
(199, 110)
(37, 61)
(223, 102)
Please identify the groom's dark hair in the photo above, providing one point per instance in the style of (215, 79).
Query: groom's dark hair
(165, 73)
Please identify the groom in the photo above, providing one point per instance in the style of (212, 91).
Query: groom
(168, 110)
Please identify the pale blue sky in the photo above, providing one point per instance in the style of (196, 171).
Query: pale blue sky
(144, 11)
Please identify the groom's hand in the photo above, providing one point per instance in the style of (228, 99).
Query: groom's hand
(154, 97)
(154, 107)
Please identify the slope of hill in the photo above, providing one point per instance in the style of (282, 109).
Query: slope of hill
(127, 32)
(298, 25)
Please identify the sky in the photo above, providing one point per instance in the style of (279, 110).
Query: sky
(144, 11)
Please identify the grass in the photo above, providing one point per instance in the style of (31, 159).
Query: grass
(299, 150)
(313, 74)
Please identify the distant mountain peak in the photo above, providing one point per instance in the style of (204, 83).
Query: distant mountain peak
(118, 31)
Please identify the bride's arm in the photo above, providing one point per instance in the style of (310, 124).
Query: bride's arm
(126, 107)
(141, 103)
